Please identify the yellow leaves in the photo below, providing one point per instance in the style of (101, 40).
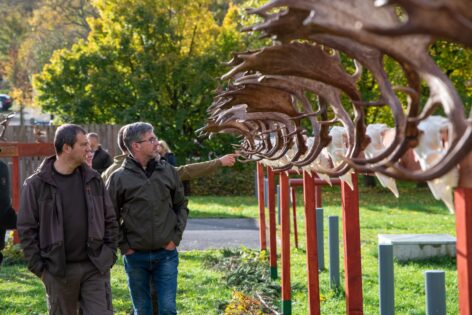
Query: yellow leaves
(243, 304)
(263, 255)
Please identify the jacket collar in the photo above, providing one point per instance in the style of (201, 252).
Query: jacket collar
(133, 165)
(45, 171)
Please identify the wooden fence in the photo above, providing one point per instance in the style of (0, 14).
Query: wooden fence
(26, 134)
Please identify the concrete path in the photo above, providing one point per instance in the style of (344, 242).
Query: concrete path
(202, 234)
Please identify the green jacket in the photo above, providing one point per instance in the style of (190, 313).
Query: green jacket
(185, 172)
(151, 211)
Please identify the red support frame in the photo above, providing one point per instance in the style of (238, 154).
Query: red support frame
(311, 244)
(463, 205)
(352, 248)
(272, 223)
(351, 231)
(260, 197)
(285, 231)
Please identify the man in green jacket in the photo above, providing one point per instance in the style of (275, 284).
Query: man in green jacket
(152, 212)
(185, 172)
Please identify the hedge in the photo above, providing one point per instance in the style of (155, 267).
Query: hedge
(238, 180)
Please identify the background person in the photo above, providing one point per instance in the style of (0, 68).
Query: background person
(7, 213)
(166, 153)
(68, 228)
(89, 158)
(101, 159)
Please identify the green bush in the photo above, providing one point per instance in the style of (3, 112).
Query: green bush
(12, 254)
(246, 272)
(238, 180)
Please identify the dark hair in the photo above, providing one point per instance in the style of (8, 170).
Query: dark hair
(134, 132)
(120, 139)
(67, 134)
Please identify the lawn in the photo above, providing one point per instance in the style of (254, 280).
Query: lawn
(203, 290)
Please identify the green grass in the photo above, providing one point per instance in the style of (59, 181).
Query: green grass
(202, 290)
(223, 207)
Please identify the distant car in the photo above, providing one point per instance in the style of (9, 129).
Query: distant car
(5, 102)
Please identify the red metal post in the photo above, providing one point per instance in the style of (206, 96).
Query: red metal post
(294, 209)
(15, 184)
(272, 223)
(260, 197)
(311, 244)
(463, 205)
(285, 227)
(352, 248)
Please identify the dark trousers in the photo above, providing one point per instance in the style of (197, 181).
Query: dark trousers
(82, 288)
(7, 222)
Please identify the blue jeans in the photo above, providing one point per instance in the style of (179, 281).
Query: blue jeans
(160, 266)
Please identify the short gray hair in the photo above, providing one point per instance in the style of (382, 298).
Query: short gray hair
(134, 132)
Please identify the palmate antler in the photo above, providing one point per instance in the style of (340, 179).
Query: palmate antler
(272, 83)
(452, 19)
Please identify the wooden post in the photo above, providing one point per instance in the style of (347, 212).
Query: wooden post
(285, 227)
(15, 184)
(311, 244)
(463, 205)
(272, 223)
(294, 210)
(260, 197)
(352, 248)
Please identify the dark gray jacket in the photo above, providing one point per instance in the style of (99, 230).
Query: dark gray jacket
(151, 211)
(40, 222)
(101, 160)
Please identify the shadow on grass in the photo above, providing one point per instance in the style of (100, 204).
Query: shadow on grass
(445, 262)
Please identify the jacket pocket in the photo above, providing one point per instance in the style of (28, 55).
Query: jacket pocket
(50, 223)
(102, 256)
(54, 258)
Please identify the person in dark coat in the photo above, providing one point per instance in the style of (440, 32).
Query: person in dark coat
(152, 211)
(165, 152)
(7, 213)
(101, 159)
(68, 229)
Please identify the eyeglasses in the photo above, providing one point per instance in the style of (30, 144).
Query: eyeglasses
(150, 140)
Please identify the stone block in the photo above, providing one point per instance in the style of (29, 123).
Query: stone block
(419, 246)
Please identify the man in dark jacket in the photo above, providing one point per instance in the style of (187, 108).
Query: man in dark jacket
(101, 159)
(7, 213)
(68, 228)
(152, 212)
